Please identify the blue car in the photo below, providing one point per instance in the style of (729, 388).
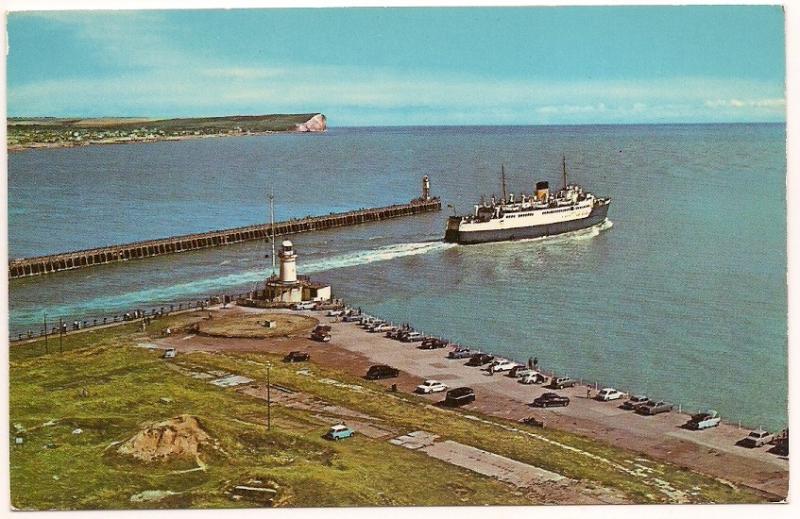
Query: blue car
(339, 432)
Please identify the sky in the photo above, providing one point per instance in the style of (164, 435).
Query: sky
(413, 66)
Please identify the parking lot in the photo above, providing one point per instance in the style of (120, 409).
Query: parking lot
(353, 349)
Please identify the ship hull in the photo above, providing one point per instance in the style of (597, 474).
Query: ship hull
(597, 216)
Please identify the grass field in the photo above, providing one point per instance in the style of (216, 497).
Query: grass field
(106, 386)
(252, 326)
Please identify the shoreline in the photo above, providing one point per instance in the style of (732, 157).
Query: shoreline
(184, 307)
(19, 148)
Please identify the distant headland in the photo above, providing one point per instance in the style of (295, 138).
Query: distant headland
(52, 132)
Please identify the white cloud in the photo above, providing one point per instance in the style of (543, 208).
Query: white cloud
(169, 82)
(773, 103)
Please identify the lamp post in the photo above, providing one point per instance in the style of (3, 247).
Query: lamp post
(45, 334)
(269, 400)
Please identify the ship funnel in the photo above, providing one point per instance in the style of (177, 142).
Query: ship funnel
(542, 191)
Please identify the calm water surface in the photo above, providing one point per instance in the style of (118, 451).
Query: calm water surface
(683, 297)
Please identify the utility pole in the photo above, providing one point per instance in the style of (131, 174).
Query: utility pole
(564, 169)
(269, 400)
(272, 225)
(46, 349)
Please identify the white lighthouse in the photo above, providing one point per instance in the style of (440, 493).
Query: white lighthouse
(288, 260)
(426, 188)
(287, 287)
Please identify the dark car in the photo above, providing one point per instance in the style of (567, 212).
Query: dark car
(479, 359)
(459, 396)
(460, 353)
(652, 407)
(431, 343)
(634, 401)
(551, 400)
(381, 371)
(321, 333)
(297, 356)
(562, 382)
(532, 421)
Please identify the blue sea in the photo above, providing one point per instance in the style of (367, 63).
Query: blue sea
(681, 296)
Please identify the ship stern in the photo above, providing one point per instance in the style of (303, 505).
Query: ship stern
(452, 232)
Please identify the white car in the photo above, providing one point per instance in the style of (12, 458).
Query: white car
(305, 305)
(534, 377)
(502, 365)
(335, 313)
(383, 327)
(609, 393)
(431, 386)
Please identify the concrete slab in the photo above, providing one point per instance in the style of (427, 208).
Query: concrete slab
(490, 464)
(231, 381)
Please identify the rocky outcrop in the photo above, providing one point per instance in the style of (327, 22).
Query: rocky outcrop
(318, 123)
(179, 437)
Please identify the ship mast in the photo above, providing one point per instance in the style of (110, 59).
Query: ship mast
(272, 226)
(564, 169)
(503, 180)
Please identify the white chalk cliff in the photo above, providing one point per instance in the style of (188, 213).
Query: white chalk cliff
(318, 123)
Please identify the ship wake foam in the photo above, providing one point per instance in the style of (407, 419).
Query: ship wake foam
(208, 286)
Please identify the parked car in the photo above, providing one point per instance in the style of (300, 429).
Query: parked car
(297, 356)
(351, 318)
(551, 400)
(335, 313)
(322, 333)
(501, 365)
(460, 353)
(371, 322)
(459, 396)
(378, 328)
(381, 371)
(652, 407)
(396, 334)
(533, 421)
(534, 377)
(479, 359)
(169, 353)
(519, 371)
(633, 401)
(562, 382)
(431, 386)
(305, 305)
(339, 432)
(432, 343)
(781, 442)
(412, 337)
(704, 420)
(609, 393)
(757, 438)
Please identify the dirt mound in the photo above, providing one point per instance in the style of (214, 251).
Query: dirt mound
(179, 437)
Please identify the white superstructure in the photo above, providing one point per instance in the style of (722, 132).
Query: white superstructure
(530, 216)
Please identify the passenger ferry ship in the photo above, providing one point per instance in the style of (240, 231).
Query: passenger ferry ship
(533, 216)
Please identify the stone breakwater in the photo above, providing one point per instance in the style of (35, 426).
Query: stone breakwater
(39, 265)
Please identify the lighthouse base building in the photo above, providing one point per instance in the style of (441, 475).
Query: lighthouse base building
(288, 286)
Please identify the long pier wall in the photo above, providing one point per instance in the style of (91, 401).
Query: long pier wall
(40, 265)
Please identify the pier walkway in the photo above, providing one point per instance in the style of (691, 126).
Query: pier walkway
(36, 266)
